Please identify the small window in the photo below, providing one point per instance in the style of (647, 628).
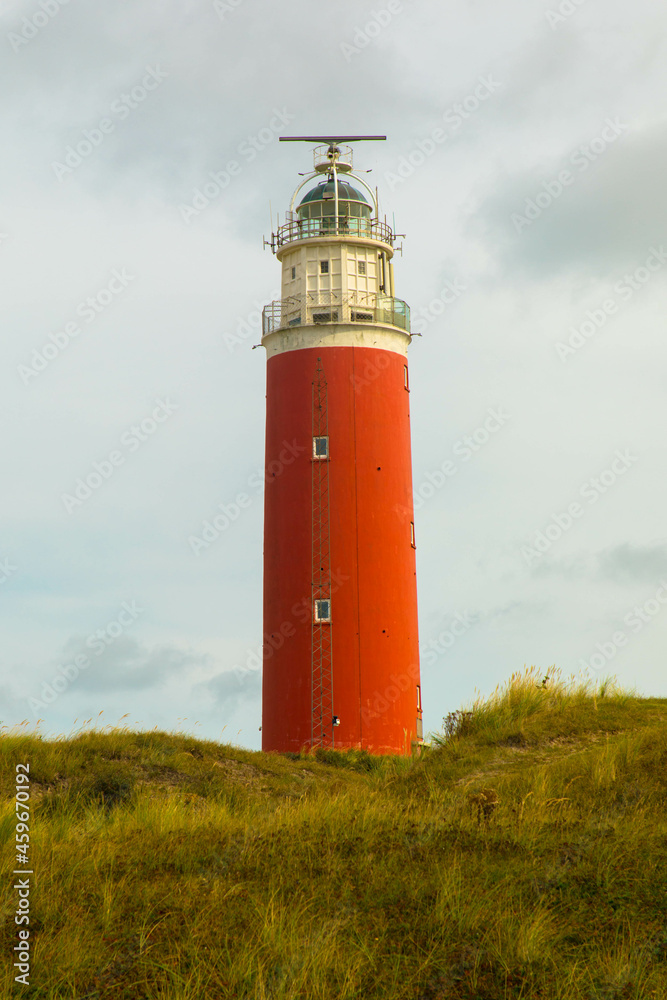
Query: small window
(419, 698)
(361, 266)
(322, 611)
(294, 272)
(412, 534)
(405, 377)
(320, 447)
(324, 267)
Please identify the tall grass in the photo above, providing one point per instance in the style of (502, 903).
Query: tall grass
(530, 706)
(172, 868)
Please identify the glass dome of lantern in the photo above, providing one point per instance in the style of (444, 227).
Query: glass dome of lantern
(316, 213)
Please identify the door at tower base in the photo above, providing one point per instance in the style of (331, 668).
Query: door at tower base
(372, 612)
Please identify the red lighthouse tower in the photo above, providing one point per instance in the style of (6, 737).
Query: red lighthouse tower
(341, 655)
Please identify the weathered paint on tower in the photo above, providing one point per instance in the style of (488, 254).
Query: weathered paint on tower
(341, 655)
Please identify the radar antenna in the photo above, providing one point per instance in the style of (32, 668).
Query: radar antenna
(332, 140)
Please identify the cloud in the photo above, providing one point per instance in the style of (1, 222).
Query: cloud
(128, 664)
(621, 564)
(607, 218)
(634, 562)
(230, 687)
(194, 283)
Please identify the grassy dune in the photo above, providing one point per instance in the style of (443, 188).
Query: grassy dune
(170, 868)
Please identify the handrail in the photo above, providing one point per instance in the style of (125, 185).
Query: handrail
(316, 308)
(304, 229)
(322, 157)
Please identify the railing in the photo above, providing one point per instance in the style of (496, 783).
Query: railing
(304, 229)
(322, 160)
(335, 307)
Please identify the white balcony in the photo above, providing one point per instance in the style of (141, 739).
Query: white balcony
(314, 309)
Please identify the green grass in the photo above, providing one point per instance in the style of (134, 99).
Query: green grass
(172, 868)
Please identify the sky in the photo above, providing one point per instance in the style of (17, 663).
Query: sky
(141, 172)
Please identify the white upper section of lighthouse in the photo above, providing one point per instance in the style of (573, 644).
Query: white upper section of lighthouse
(336, 254)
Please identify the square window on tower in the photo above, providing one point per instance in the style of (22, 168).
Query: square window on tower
(322, 611)
(294, 272)
(320, 447)
(324, 267)
(361, 266)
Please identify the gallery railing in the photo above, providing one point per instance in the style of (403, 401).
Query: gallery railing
(312, 309)
(304, 229)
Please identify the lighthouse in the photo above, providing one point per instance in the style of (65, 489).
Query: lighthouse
(340, 637)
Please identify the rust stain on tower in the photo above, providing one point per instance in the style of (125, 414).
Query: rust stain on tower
(341, 653)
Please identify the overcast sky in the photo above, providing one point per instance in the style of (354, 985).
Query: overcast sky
(525, 161)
